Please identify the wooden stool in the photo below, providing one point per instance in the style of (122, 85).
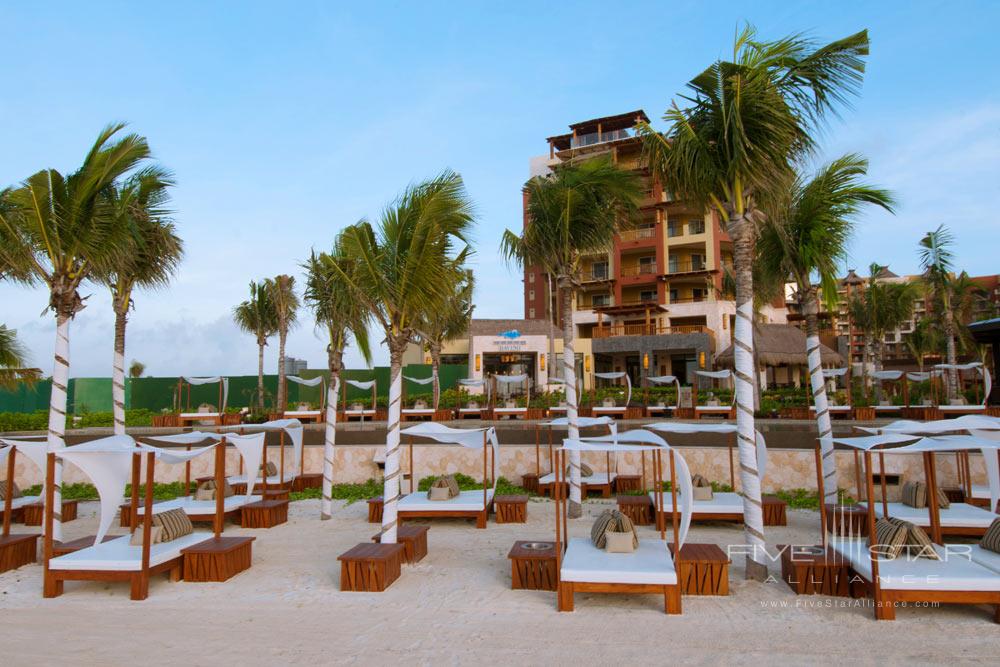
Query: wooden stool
(17, 550)
(846, 520)
(624, 483)
(533, 566)
(217, 558)
(774, 511)
(637, 508)
(529, 482)
(370, 567)
(414, 540)
(264, 514)
(511, 509)
(704, 570)
(274, 493)
(308, 480)
(809, 570)
(34, 512)
(375, 510)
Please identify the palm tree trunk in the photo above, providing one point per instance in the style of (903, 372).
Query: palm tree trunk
(569, 375)
(282, 400)
(753, 516)
(260, 376)
(435, 351)
(118, 372)
(865, 354)
(810, 307)
(57, 414)
(390, 484)
(330, 435)
(951, 353)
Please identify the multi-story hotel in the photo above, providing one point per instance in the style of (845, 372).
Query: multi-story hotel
(653, 303)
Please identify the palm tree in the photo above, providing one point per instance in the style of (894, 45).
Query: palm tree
(879, 308)
(730, 151)
(448, 322)
(406, 265)
(341, 314)
(577, 209)
(805, 237)
(286, 305)
(58, 230)
(923, 341)
(256, 316)
(136, 369)
(13, 361)
(153, 253)
(937, 260)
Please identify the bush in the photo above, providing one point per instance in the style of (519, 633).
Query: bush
(352, 493)
(24, 421)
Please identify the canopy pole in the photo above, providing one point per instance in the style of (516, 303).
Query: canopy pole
(822, 495)
(493, 460)
(8, 498)
(932, 497)
(281, 458)
(220, 486)
(409, 439)
(147, 523)
(220, 402)
(673, 500)
(643, 455)
(881, 469)
(857, 473)
(663, 502)
(187, 475)
(565, 485)
(50, 493)
(136, 478)
(552, 463)
(732, 468)
(872, 552)
(538, 463)
(555, 498)
(484, 471)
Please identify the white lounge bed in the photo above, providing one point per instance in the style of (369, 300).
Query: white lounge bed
(467, 504)
(187, 417)
(597, 481)
(963, 409)
(958, 519)
(200, 509)
(724, 506)
(304, 415)
(272, 480)
(118, 555)
(21, 501)
(510, 412)
(609, 410)
(953, 572)
(417, 412)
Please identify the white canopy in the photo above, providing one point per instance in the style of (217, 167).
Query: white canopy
(476, 382)
(667, 379)
(835, 372)
(186, 438)
(292, 427)
(511, 379)
(34, 450)
(615, 376)
(108, 464)
(471, 438)
(633, 436)
(868, 442)
(426, 380)
(718, 375)
(963, 423)
(310, 382)
(213, 380)
(977, 366)
(174, 456)
(683, 474)
(583, 422)
(701, 427)
(366, 384)
(887, 375)
(916, 376)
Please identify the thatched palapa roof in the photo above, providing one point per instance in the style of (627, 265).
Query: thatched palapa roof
(781, 345)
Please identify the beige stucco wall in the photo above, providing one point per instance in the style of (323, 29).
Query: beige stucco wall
(787, 468)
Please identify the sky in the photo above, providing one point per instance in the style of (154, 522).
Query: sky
(285, 122)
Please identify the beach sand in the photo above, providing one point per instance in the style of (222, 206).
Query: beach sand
(456, 607)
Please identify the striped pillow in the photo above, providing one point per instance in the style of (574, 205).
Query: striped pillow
(914, 494)
(175, 523)
(585, 471)
(889, 539)
(447, 482)
(918, 543)
(611, 521)
(270, 467)
(209, 485)
(700, 480)
(155, 536)
(991, 540)
(943, 501)
(14, 491)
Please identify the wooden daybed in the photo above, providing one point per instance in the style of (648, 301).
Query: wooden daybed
(600, 482)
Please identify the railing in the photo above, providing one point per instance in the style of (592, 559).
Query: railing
(641, 234)
(689, 299)
(685, 267)
(618, 330)
(593, 138)
(590, 276)
(639, 270)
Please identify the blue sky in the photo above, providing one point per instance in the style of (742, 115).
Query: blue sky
(285, 122)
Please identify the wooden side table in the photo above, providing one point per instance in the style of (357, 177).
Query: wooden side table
(370, 567)
(375, 510)
(774, 511)
(846, 520)
(217, 558)
(308, 480)
(17, 550)
(533, 566)
(511, 509)
(414, 541)
(810, 570)
(34, 513)
(529, 482)
(625, 483)
(264, 514)
(704, 570)
(637, 508)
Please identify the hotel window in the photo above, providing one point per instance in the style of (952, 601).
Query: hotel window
(674, 296)
(696, 226)
(698, 294)
(697, 263)
(647, 264)
(531, 295)
(647, 295)
(531, 313)
(531, 277)
(599, 300)
(673, 228)
(599, 270)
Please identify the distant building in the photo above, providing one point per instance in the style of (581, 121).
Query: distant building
(295, 366)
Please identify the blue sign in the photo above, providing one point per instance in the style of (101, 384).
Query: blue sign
(512, 334)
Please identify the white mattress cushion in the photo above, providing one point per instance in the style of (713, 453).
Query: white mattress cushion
(981, 491)
(985, 557)
(118, 555)
(598, 478)
(465, 501)
(722, 502)
(416, 411)
(650, 563)
(200, 507)
(959, 515)
(954, 572)
(271, 479)
(21, 501)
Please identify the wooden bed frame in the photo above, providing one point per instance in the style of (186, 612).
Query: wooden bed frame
(18, 549)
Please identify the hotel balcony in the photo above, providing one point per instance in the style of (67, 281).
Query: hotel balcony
(642, 329)
(637, 274)
(594, 138)
(641, 237)
(595, 276)
(677, 268)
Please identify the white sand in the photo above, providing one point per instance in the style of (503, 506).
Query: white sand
(456, 607)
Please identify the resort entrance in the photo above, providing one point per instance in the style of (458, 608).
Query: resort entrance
(510, 363)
